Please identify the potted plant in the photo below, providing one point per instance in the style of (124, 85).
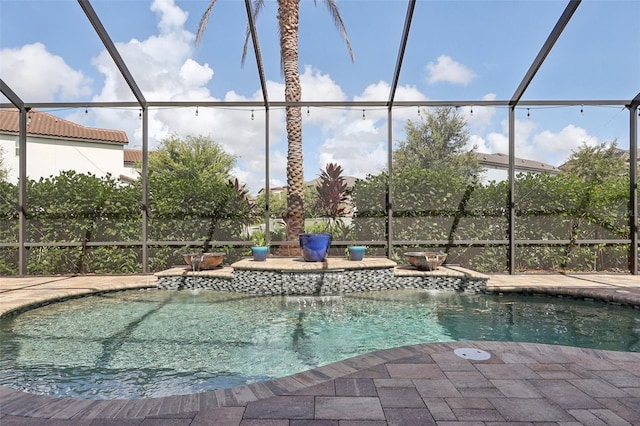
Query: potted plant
(314, 247)
(260, 250)
(356, 252)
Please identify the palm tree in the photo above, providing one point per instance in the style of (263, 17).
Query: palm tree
(288, 23)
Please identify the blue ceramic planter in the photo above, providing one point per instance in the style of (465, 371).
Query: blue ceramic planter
(314, 246)
(260, 253)
(356, 252)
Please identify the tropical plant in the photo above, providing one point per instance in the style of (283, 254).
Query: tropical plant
(331, 192)
(288, 24)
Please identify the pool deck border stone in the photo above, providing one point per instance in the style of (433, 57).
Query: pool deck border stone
(427, 384)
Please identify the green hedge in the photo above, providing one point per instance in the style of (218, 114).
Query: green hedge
(78, 208)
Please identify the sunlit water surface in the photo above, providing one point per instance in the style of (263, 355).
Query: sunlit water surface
(152, 343)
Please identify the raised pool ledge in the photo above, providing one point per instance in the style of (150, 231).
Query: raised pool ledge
(294, 276)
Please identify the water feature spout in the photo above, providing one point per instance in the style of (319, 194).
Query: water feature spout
(196, 262)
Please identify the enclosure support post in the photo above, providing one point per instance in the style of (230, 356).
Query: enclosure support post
(145, 190)
(512, 204)
(389, 196)
(22, 191)
(633, 188)
(267, 188)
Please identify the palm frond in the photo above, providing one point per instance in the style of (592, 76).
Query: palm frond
(337, 20)
(257, 7)
(204, 21)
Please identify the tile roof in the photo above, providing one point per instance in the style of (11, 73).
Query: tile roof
(44, 124)
(133, 156)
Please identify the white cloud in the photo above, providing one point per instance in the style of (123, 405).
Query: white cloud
(479, 118)
(558, 146)
(445, 69)
(37, 75)
(192, 74)
(358, 142)
(546, 146)
(479, 143)
(317, 86)
(358, 153)
(375, 92)
(172, 18)
(496, 143)
(524, 130)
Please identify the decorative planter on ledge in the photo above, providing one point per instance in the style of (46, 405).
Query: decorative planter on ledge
(356, 252)
(260, 253)
(203, 260)
(314, 247)
(426, 260)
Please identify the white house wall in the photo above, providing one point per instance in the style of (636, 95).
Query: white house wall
(494, 174)
(48, 157)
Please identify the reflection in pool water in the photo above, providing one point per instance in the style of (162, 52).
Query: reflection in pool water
(156, 342)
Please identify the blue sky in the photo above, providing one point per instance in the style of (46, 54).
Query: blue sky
(457, 50)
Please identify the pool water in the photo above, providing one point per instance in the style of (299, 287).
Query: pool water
(152, 343)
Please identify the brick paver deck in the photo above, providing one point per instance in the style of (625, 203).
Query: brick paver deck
(427, 384)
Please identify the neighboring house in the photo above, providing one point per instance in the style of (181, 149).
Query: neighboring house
(496, 167)
(132, 163)
(625, 154)
(55, 145)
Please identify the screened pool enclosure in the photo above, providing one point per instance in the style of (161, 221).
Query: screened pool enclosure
(552, 79)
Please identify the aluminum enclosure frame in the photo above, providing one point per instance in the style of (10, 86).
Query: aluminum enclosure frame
(515, 101)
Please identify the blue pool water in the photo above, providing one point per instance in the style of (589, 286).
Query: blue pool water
(153, 343)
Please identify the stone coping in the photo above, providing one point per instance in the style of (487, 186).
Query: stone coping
(297, 264)
(444, 270)
(220, 271)
(20, 294)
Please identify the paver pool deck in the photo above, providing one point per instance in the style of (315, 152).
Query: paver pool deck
(427, 384)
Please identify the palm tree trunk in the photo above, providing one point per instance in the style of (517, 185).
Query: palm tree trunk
(288, 20)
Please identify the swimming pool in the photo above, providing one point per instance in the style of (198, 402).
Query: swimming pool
(153, 343)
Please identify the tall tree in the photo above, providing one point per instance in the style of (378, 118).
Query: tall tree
(192, 157)
(438, 142)
(288, 24)
(190, 183)
(597, 164)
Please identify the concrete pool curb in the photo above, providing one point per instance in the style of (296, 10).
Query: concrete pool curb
(421, 384)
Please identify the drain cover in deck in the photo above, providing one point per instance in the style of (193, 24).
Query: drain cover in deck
(472, 354)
